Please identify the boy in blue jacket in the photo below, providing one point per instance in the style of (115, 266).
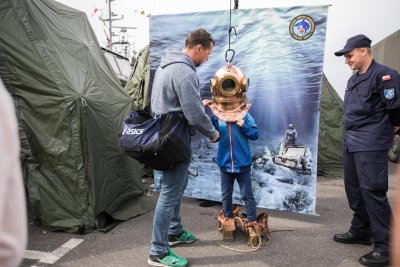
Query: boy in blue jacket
(234, 160)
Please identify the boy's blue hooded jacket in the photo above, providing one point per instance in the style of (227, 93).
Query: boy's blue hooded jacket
(233, 148)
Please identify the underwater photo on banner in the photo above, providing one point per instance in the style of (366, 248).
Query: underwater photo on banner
(281, 53)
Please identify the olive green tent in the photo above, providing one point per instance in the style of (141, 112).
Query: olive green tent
(139, 81)
(386, 51)
(330, 136)
(70, 106)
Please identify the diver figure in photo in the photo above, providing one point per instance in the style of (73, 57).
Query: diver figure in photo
(290, 136)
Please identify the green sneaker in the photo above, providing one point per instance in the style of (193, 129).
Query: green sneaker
(167, 259)
(184, 238)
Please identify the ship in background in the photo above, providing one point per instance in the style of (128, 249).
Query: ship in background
(119, 34)
(120, 46)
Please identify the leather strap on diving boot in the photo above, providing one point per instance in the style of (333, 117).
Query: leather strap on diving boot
(262, 219)
(227, 227)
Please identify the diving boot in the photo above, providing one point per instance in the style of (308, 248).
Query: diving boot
(227, 227)
(256, 230)
(262, 219)
(235, 211)
(253, 231)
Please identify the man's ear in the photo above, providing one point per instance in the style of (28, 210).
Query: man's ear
(364, 50)
(198, 47)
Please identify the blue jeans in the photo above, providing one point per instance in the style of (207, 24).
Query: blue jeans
(243, 179)
(166, 216)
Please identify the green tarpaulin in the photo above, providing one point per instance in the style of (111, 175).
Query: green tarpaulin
(138, 84)
(70, 106)
(331, 129)
(386, 51)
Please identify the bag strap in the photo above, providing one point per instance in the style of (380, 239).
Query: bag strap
(168, 120)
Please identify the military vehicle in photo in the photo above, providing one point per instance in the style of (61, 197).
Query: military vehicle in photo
(297, 158)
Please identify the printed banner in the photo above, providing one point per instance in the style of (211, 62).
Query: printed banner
(281, 51)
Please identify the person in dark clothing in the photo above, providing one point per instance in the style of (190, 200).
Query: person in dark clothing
(371, 111)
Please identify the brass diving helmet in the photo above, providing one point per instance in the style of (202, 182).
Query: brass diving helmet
(229, 87)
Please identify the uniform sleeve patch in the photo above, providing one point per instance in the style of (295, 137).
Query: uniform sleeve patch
(388, 93)
(386, 78)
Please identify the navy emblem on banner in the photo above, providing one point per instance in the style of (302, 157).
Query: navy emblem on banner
(302, 27)
(388, 93)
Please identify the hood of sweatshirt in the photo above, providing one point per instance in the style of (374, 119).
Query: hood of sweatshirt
(174, 56)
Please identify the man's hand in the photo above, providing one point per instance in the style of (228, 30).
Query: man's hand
(216, 138)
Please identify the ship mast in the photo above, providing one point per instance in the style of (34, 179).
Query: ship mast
(123, 38)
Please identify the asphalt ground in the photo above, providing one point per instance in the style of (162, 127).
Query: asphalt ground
(308, 243)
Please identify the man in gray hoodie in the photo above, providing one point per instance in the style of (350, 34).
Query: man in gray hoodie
(176, 89)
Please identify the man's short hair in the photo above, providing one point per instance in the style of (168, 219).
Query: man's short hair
(199, 37)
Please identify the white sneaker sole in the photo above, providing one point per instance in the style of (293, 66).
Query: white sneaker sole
(174, 243)
(153, 263)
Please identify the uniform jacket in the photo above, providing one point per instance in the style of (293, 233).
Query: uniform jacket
(233, 147)
(368, 101)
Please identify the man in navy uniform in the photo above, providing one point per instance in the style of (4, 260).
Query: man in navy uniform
(371, 111)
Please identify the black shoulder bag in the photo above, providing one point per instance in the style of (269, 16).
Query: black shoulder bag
(161, 143)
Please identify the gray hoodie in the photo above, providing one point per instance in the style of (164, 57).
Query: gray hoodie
(176, 88)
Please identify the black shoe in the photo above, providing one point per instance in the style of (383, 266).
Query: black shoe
(375, 258)
(154, 259)
(349, 238)
(208, 203)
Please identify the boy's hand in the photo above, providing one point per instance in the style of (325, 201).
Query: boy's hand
(240, 122)
(207, 102)
(216, 138)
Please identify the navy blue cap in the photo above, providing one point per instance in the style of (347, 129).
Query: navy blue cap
(357, 41)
